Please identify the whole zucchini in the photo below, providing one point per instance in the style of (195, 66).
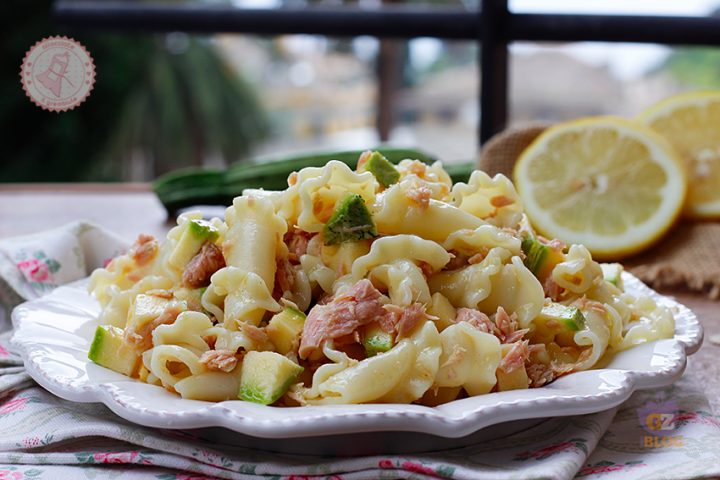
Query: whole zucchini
(187, 178)
(188, 187)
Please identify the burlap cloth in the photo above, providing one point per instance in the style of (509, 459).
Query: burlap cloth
(688, 257)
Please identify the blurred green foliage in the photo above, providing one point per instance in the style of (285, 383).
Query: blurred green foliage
(187, 105)
(172, 107)
(697, 67)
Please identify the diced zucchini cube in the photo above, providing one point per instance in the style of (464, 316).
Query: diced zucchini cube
(146, 308)
(109, 349)
(197, 232)
(383, 170)
(266, 376)
(612, 272)
(539, 258)
(350, 221)
(376, 340)
(285, 328)
(569, 318)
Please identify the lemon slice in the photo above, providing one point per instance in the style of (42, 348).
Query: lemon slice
(611, 184)
(691, 123)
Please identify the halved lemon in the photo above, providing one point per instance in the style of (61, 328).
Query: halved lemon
(691, 123)
(611, 184)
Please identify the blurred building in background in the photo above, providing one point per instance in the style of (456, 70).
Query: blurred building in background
(168, 101)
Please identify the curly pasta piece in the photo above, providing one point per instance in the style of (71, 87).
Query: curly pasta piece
(340, 258)
(276, 197)
(317, 272)
(422, 374)
(483, 238)
(397, 212)
(404, 281)
(492, 199)
(469, 359)
(106, 282)
(468, 286)
(578, 272)
(287, 205)
(254, 237)
(443, 311)
(172, 363)
(615, 325)
(245, 296)
(209, 386)
(434, 173)
(319, 194)
(596, 335)
(301, 293)
(369, 379)
(234, 340)
(517, 290)
(653, 322)
(433, 177)
(619, 312)
(126, 270)
(388, 249)
(187, 331)
(340, 361)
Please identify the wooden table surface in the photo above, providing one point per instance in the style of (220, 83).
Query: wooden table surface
(128, 209)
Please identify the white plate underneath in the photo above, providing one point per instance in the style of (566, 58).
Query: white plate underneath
(53, 334)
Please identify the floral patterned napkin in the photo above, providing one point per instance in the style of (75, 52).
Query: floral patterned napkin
(668, 433)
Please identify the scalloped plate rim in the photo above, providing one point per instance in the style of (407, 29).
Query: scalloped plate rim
(454, 420)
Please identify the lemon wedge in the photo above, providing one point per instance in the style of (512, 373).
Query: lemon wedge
(611, 184)
(691, 123)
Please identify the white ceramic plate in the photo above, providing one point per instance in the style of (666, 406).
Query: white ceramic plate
(53, 334)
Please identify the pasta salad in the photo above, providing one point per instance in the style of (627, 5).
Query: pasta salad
(384, 284)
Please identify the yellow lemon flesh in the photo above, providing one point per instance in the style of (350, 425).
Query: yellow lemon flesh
(691, 123)
(608, 183)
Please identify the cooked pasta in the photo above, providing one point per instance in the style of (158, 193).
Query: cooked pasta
(387, 284)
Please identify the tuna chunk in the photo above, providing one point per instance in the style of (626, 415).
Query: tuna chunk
(342, 316)
(219, 360)
(505, 327)
(141, 339)
(403, 320)
(515, 358)
(420, 195)
(297, 242)
(477, 319)
(202, 266)
(144, 250)
(284, 277)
